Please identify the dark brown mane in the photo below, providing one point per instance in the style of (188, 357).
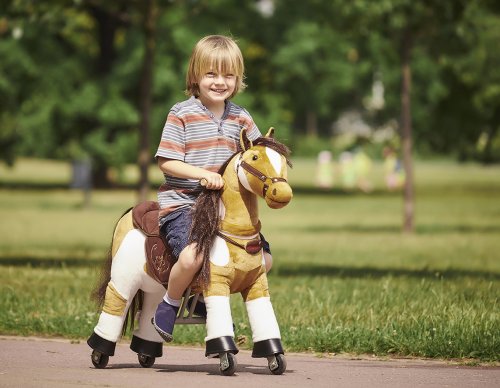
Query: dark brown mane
(206, 216)
(275, 145)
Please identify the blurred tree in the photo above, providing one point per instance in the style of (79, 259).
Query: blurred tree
(71, 102)
(411, 26)
(144, 159)
(109, 19)
(317, 66)
(71, 72)
(317, 63)
(478, 72)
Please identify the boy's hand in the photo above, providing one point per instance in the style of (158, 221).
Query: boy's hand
(212, 181)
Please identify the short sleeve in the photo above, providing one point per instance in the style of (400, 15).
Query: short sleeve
(172, 143)
(250, 126)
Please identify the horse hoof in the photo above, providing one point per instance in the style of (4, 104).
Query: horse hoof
(145, 347)
(267, 348)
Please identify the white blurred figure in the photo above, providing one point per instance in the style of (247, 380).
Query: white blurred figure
(324, 170)
(347, 170)
(363, 168)
(393, 170)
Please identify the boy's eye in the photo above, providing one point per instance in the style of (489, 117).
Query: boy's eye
(229, 75)
(210, 74)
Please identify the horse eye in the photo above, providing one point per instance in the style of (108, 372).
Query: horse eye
(255, 157)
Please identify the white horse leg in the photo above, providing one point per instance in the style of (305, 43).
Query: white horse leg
(266, 334)
(110, 326)
(262, 319)
(145, 330)
(126, 277)
(146, 342)
(220, 334)
(219, 320)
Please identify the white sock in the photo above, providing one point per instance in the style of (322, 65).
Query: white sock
(172, 302)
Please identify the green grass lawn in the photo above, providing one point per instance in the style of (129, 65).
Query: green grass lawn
(345, 279)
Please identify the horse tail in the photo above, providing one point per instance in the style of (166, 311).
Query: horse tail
(135, 306)
(99, 292)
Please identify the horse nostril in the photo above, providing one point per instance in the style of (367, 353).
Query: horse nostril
(274, 191)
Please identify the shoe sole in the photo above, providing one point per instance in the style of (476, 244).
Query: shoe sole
(166, 336)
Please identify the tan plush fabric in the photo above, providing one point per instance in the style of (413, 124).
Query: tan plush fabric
(114, 303)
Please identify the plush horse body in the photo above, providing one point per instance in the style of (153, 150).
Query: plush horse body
(227, 235)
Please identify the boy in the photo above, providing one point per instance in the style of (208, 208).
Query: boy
(200, 134)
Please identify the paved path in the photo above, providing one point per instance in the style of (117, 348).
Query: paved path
(31, 362)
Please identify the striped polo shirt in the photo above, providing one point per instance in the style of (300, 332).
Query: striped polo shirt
(193, 135)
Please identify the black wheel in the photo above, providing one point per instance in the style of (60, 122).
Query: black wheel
(146, 361)
(277, 364)
(228, 364)
(99, 360)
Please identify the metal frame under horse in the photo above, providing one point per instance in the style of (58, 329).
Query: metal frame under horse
(226, 228)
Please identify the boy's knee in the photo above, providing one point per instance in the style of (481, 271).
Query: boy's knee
(188, 259)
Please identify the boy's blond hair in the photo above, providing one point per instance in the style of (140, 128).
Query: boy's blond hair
(215, 52)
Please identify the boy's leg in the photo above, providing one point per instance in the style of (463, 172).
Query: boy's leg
(181, 276)
(183, 272)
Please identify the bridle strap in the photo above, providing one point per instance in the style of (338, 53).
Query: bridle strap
(253, 171)
(262, 177)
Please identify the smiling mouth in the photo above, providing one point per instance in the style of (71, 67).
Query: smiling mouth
(220, 91)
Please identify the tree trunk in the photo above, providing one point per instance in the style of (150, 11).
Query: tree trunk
(406, 131)
(107, 23)
(144, 158)
(311, 123)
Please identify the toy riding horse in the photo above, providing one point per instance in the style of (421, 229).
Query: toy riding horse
(226, 229)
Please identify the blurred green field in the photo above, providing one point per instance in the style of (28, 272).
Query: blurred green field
(345, 279)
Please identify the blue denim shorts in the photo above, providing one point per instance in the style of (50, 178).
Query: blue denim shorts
(176, 230)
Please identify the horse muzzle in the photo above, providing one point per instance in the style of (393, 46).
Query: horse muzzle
(278, 195)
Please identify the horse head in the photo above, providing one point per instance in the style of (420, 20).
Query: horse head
(262, 169)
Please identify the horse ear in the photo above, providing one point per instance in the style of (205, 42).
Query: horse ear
(245, 142)
(270, 132)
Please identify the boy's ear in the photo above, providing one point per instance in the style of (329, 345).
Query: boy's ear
(245, 142)
(270, 132)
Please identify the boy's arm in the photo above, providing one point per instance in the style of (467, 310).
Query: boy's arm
(180, 169)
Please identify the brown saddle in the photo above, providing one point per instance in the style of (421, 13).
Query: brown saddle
(159, 259)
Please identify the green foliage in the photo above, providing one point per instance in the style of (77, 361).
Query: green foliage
(70, 71)
(310, 146)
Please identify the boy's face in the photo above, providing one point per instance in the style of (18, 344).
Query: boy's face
(216, 87)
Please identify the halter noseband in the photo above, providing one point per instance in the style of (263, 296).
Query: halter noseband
(262, 177)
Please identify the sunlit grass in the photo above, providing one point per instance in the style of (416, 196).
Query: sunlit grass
(345, 278)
